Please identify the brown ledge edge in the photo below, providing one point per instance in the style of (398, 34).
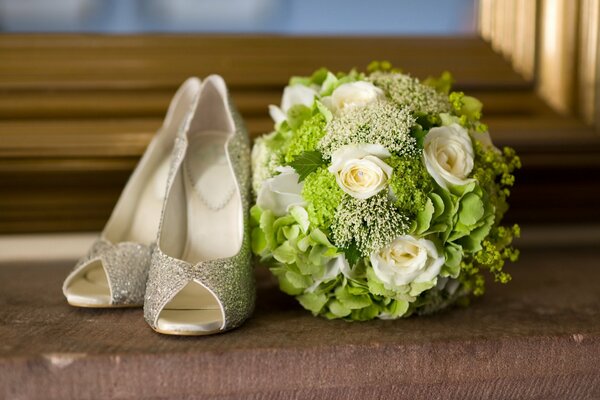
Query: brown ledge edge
(538, 337)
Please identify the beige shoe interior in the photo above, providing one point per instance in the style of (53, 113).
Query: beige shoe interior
(89, 287)
(194, 310)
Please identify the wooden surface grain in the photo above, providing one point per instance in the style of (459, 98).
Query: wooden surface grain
(535, 338)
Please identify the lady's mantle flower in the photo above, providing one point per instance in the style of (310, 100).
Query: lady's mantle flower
(448, 154)
(360, 170)
(406, 260)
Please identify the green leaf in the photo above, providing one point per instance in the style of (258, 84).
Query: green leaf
(297, 114)
(352, 301)
(319, 76)
(301, 217)
(267, 219)
(424, 217)
(328, 84)
(453, 254)
(319, 237)
(438, 204)
(259, 241)
(255, 214)
(472, 242)
(313, 302)
(471, 209)
(298, 280)
(308, 268)
(376, 287)
(285, 253)
(416, 288)
(419, 134)
(283, 221)
(291, 232)
(307, 163)
(287, 287)
(397, 308)
(365, 314)
(352, 254)
(338, 309)
(325, 111)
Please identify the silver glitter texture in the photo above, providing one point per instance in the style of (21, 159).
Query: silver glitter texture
(230, 279)
(126, 265)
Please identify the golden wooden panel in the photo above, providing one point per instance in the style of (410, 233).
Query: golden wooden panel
(76, 112)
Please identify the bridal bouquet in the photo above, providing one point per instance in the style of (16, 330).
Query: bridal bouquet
(380, 196)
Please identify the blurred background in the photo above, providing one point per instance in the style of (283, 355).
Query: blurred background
(84, 84)
(291, 17)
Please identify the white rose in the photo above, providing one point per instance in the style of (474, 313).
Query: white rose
(405, 260)
(448, 154)
(292, 95)
(359, 169)
(353, 94)
(281, 192)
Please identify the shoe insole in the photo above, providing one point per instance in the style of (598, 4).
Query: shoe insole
(90, 287)
(146, 214)
(213, 205)
(194, 310)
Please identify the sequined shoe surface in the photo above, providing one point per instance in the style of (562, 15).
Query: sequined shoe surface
(115, 269)
(201, 279)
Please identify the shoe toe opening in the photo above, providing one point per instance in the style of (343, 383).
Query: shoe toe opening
(195, 310)
(89, 287)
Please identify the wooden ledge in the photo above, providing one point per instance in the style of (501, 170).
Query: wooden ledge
(538, 337)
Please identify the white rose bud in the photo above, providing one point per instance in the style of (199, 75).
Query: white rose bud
(406, 260)
(292, 95)
(353, 94)
(448, 155)
(281, 192)
(360, 170)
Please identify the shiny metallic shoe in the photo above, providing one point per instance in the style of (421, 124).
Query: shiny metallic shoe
(115, 270)
(201, 279)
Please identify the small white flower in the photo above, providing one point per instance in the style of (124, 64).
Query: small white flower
(353, 94)
(359, 169)
(292, 95)
(448, 155)
(406, 260)
(334, 267)
(281, 192)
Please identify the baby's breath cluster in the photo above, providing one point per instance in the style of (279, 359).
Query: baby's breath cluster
(367, 224)
(380, 122)
(406, 91)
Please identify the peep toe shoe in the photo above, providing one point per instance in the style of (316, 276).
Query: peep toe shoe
(114, 271)
(201, 279)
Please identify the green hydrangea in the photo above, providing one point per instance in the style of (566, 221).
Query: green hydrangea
(410, 183)
(299, 253)
(306, 136)
(322, 195)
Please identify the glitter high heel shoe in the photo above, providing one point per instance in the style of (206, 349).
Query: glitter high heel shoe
(201, 280)
(115, 269)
